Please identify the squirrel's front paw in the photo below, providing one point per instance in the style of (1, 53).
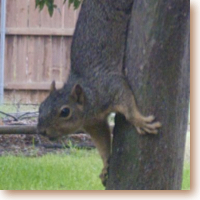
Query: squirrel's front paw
(146, 125)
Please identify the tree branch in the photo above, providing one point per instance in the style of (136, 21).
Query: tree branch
(9, 115)
(17, 129)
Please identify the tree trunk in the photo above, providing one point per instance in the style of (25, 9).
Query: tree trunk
(157, 63)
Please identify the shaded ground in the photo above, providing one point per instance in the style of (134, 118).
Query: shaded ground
(34, 145)
(37, 145)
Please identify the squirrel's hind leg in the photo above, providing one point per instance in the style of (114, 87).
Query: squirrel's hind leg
(101, 136)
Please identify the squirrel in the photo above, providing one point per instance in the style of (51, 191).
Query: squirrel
(97, 84)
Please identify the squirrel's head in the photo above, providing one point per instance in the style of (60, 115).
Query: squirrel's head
(62, 111)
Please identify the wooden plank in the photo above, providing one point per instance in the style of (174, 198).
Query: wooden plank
(45, 19)
(30, 58)
(69, 17)
(47, 59)
(26, 96)
(34, 16)
(30, 86)
(21, 59)
(61, 59)
(11, 19)
(38, 58)
(8, 74)
(57, 15)
(66, 48)
(56, 58)
(21, 13)
(31, 53)
(14, 59)
(40, 31)
(77, 11)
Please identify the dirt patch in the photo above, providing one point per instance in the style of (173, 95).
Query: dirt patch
(34, 145)
(37, 145)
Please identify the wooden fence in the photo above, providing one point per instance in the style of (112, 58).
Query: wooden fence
(37, 49)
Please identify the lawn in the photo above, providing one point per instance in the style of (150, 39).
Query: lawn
(78, 170)
(186, 177)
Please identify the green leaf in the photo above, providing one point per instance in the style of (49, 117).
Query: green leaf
(76, 3)
(50, 9)
(50, 4)
(41, 5)
(37, 3)
(70, 2)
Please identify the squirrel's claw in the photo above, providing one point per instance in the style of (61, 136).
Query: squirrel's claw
(145, 125)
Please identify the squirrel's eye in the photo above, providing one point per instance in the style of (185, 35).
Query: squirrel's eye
(65, 112)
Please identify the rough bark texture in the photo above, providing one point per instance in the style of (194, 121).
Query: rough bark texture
(157, 63)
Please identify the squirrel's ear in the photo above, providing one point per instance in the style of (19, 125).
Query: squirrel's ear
(53, 86)
(78, 94)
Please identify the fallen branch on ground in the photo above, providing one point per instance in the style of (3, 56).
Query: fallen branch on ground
(17, 129)
(20, 116)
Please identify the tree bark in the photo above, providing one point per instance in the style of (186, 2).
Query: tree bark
(157, 64)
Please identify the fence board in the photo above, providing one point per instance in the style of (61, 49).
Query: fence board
(31, 86)
(9, 55)
(45, 19)
(69, 18)
(30, 58)
(56, 53)
(47, 58)
(22, 14)
(14, 60)
(57, 15)
(34, 16)
(66, 57)
(10, 13)
(21, 59)
(37, 49)
(40, 31)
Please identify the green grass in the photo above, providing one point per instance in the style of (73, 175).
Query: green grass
(8, 108)
(77, 171)
(186, 176)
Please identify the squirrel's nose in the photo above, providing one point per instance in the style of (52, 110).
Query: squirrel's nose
(41, 131)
